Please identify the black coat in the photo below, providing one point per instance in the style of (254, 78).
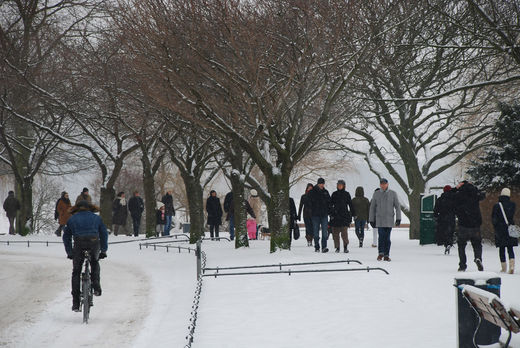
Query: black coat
(444, 214)
(229, 207)
(502, 238)
(136, 206)
(119, 212)
(228, 202)
(341, 209)
(160, 219)
(167, 200)
(11, 206)
(467, 206)
(319, 202)
(305, 206)
(214, 210)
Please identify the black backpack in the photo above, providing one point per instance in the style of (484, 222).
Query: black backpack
(56, 213)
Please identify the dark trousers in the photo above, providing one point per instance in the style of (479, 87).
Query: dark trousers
(465, 235)
(384, 241)
(309, 230)
(11, 225)
(214, 230)
(59, 230)
(136, 221)
(359, 225)
(82, 244)
(323, 222)
(502, 253)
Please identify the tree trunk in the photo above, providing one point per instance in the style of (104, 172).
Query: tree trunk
(108, 194)
(240, 213)
(278, 212)
(149, 203)
(415, 214)
(24, 193)
(195, 206)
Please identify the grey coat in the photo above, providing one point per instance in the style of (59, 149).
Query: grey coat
(382, 208)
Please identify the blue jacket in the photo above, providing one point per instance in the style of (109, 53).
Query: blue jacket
(83, 224)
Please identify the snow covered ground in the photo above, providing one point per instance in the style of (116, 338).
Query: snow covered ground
(147, 298)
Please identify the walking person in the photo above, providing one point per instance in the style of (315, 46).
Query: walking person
(84, 196)
(256, 204)
(89, 233)
(63, 208)
(384, 203)
(361, 206)
(319, 199)
(228, 204)
(375, 230)
(502, 216)
(214, 210)
(136, 207)
(444, 214)
(341, 212)
(119, 213)
(160, 220)
(11, 207)
(467, 210)
(169, 210)
(307, 214)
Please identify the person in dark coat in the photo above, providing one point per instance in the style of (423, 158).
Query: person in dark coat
(341, 212)
(361, 206)
(119, 213)
(89, 233)
(229, 208)
(293, 227)
(502, 239)
(84, 196)
(307, 214)
(214, 210)
(169, 210)
(467, 210)
(319, 199)
(11, 207)
(63, 207)
(444, 214)
(136, 208)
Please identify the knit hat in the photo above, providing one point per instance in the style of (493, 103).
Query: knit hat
(84, 190)
(341, 182)
(383, 181)
(506, 192)
(254, 193)
(447, 188)
(321, 181)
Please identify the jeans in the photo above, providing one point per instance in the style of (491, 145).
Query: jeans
(502, 253)
(11, 225)
(231, 227)
(213, 229)
(136, 221)
(471, 234)
(168, 225)
(360, 229)
(317, 222)
(309, 229)
(80, 245)
(384, 240)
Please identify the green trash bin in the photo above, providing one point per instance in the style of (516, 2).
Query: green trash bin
(427, 222)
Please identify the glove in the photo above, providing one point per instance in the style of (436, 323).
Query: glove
(397, 223)
(70, 257)
(373, 224)
(102, 255)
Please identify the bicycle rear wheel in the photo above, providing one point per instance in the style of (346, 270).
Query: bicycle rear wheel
(85, 301)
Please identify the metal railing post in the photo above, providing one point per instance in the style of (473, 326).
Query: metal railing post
(199, 258)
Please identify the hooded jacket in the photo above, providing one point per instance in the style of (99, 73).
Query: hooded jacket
(361, 204)
(467, 206)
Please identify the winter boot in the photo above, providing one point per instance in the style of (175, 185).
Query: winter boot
(75, 304)
(461, 269)
(345, 249)
(511, 266)
(387, 258)
(504, 267)
(326, 250)
(479, 264)
(361, 243)
(337, 250)
(379, 257)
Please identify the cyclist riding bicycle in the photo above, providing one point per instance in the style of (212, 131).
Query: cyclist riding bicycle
(89, 233)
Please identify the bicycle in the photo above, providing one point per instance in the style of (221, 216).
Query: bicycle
(86, 293)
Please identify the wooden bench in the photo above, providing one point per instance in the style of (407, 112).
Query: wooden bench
(489, 307)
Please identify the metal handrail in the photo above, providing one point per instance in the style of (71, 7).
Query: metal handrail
(209, 238)
(280, 265)
(167, 247)
(30, 241)
(367, 269)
